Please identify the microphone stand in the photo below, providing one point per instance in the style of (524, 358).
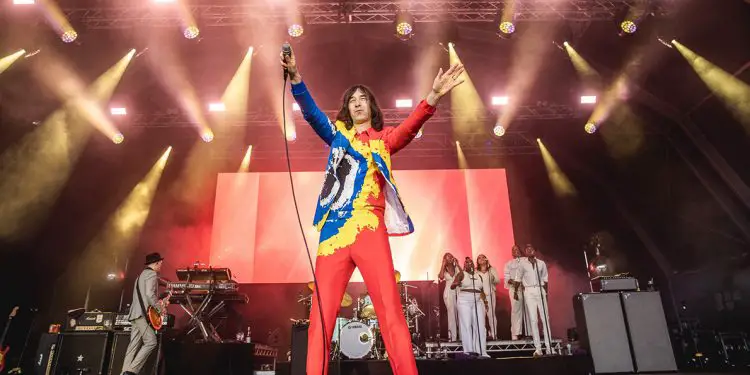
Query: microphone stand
(476, 314)
(545, 316)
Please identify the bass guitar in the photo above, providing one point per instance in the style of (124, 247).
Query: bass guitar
(4, 349)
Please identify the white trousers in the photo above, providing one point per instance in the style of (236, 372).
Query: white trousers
(449, 297)
(491, 315)
(533, 298)
(518, 315)
(470, 314)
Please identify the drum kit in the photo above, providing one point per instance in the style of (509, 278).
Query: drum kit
(359, 337)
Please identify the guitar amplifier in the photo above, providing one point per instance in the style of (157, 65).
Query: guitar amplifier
(45, 354)
(614, 284)
(82, 353)
(92, 321)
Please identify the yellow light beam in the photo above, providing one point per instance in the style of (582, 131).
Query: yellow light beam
(116, 239)
(561, 185)
(245, 165)
(237, 92)
(122, 230)
(462, 163)
(7, 61)
(57, 18)
(588, 74)
(734, 93)
(36, 168)
(466, 102)
(530, 52)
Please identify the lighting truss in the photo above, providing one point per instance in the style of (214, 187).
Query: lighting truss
(391, 116)
(327, 12)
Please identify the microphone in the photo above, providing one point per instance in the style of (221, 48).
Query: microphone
(286, 50)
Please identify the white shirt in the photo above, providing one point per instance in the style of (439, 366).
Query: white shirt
(490, 279)
(527, 273)
(472, 282)
(510, 271)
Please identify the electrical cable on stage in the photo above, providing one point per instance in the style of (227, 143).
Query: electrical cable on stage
(287, 49)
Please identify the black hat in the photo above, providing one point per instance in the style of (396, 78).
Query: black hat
(153, 258)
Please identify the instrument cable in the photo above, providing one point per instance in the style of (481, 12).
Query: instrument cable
(301, 227)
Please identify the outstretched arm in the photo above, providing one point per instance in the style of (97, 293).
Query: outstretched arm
(310, 111)
(400, 136)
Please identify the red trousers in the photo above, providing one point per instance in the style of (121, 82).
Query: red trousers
(371, 252)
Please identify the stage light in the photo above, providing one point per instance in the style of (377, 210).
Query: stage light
(118, 138)
(217, 107)
(111, 276)
(296, 30)
(404, 103)
(295, 107)
(628, 26)
(118, 111)
(404, 25)
(191, 32)
(419, 134)
(69, 36)
(296, 25)
(23, 2)
(207, 136)
(588, 99)
(590, 128)
(499, 100)
(498, 130)
(507, 27)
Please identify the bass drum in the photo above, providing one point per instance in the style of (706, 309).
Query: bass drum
(357, 340)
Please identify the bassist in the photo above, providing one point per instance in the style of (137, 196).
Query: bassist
(143, 336)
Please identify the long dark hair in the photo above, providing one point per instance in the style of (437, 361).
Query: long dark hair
(375, 112)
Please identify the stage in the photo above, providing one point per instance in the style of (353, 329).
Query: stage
(561, 365)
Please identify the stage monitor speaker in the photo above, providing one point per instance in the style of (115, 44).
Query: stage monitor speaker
(45, 354)
(82, 353)
(299, 349)
(117, 357)
(601, 327)
(649, 334)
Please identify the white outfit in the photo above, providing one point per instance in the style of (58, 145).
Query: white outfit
(533, 278)
(518, 316)
(490, 279)
(471, 315)
(449, 297)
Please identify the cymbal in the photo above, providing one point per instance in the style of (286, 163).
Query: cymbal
(398, 276)
(368, 312)
(347, 300)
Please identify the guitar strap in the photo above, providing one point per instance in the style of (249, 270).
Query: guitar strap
(140, 299)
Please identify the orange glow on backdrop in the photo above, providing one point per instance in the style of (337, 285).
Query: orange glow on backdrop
(255, 230)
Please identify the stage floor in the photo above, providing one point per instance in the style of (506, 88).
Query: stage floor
(557, 365)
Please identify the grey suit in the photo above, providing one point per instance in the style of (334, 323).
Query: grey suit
(142, 336)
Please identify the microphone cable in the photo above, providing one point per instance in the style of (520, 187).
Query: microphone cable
(476, 312)
(301, 227)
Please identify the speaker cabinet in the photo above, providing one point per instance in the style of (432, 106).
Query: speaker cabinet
(601, 327)
(45, 354)
(119, 348)
(299, 349)
(82, 353)
(649, 334)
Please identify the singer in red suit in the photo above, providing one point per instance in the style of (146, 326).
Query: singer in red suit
(359, 207)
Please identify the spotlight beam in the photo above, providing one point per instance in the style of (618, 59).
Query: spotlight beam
(710, 94)
(734, 92)
(7, 61)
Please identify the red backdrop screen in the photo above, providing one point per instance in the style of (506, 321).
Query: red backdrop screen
(256, 234)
